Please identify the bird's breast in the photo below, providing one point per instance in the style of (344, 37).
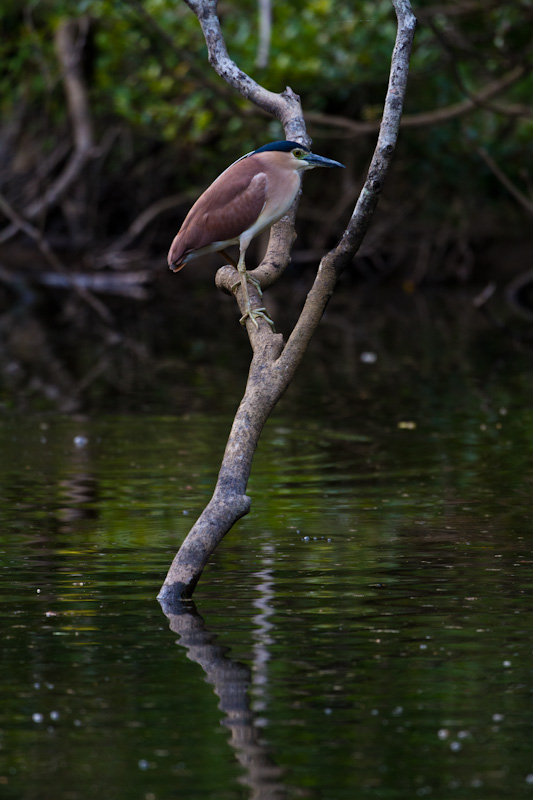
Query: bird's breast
(284, 191)
(281, 193)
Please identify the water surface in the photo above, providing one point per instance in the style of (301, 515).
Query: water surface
(366, 631)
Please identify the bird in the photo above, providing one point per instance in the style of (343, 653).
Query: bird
(247, 198)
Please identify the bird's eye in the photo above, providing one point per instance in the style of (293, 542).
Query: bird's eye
(298, 153)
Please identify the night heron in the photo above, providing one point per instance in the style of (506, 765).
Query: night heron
(247, 198)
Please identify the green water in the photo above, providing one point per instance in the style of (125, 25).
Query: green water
(367, 630)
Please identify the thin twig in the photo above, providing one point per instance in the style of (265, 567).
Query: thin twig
(436, 116)
(31, 231)
(524, 201)
(147, 216)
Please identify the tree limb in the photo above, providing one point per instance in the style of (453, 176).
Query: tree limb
(152, 26)
(265, 31)
(147, 216)
(274, 363)
(524, 201)
(31, 231)
(447, 10)
(69, 56)
(285, 106)
(437, 115)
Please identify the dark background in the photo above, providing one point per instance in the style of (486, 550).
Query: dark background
(97, 195)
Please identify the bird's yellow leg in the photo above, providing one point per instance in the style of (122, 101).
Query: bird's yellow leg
(253, 313)
(249, 278)
(255, 282)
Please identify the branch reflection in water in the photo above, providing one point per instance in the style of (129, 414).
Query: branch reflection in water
(232, 681)
(262, 627)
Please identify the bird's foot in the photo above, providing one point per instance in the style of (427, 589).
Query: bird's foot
(254, 314)
(255, 283)
(251, 313)
(251, 280)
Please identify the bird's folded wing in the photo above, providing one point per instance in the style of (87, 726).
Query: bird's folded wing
(226, 209)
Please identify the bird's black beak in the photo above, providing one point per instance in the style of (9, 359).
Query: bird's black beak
(320, 161)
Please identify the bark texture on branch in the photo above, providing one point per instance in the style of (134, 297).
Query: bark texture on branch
(274, 362)
(285, 106)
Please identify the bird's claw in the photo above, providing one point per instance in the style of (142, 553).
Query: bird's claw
(251, 280)
(253, 314)
(255, 282)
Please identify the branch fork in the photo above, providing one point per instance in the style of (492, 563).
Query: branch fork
(275, 361)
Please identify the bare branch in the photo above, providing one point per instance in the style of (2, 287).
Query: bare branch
(265, 31)
(169, 44)
(285, 106)
(438, 115)
(337, 259)
(447, 10)
(147, 216)
(273, 364)
(524, 201)
(127, 284)
(69, 55)
(31, 231)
